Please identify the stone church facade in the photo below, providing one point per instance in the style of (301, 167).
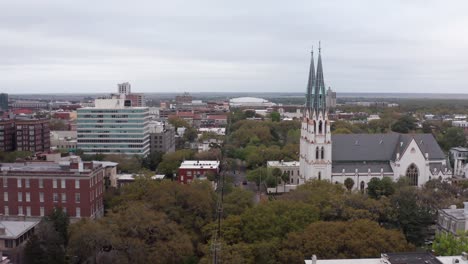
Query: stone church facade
(361, 157)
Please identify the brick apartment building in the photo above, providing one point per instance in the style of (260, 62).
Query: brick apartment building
(7, 135)
(34, 189)
(32, 135)
(25, 135)
(191, 170)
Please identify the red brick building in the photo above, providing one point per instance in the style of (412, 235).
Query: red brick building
(33, 189)
(190, 170)
(7, 134)
(32, 135)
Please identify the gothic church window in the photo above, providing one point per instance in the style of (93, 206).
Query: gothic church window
(412, 173)
(317, 153)
(320, 127)
(322, 152)
(362, 186)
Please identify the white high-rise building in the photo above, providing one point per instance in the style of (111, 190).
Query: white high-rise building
(113, 127)
(124, 88)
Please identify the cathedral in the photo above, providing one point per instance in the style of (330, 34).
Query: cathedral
(361, 157)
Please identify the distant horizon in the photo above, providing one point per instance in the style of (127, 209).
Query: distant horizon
(367, 46)
(165, 95)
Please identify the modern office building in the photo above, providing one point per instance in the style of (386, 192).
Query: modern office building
(113, 127)
(3, 102)
(162, 137)
(32, 190)
(124, 88)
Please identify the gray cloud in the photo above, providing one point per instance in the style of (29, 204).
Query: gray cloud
(368, 46)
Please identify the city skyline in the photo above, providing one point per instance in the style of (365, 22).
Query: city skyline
(239, 47)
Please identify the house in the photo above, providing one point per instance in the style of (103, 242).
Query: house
(191, 170)
(453, 220)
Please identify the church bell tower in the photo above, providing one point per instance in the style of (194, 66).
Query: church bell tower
(315, 144)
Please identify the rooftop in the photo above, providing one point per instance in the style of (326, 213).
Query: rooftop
(276, 163)
(14, 229)
(44, 167)
(397, 258)
(199, 164)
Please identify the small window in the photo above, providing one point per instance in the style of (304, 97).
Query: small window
(41, 197)
(78, 212)
(77, 198)
(19, 183)
(77, 184)
(54, 183)
(6, 210)
(28, 197)
(5, 196)
(63, 183)
(20, 197)
(64, 197)
(41, 183)
(56, 197)
(41, 211)
(26, 183)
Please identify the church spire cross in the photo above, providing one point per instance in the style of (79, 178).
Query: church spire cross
(310, 84)
(319, 89)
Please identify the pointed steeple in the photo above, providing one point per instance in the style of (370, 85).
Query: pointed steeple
(310, 84)
(319, 92)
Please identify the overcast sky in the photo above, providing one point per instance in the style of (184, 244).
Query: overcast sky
(237, 46)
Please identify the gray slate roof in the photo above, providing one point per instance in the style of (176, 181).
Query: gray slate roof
(362, 167)
(380, 147)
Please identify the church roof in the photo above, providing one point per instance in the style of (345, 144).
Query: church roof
(349, 167)
(381, 147)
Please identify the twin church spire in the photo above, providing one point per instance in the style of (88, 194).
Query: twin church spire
(315, 97)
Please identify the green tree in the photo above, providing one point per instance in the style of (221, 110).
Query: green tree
(413, 216)
(152, 160)
(60, 221)
(46, 246)
(275, 116)
(236, 202)
(380, 187)
(171, 161)
(404, 124)
(33, 251)
(349, 183)
(446, 244)
(177, 122)
(355, 239)
(285, 178)
(453, 137)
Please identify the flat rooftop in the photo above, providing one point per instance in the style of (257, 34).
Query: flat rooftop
(199, 164)
(42, 167)
(397, 258)
(276, 163)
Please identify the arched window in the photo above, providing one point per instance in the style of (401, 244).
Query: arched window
(322, 152)
(320, 127)
(362, 186)
(317, 153)
(315, 128)
(412, 174)
(319, 175)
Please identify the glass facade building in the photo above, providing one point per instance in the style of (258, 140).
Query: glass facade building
(113, 130)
